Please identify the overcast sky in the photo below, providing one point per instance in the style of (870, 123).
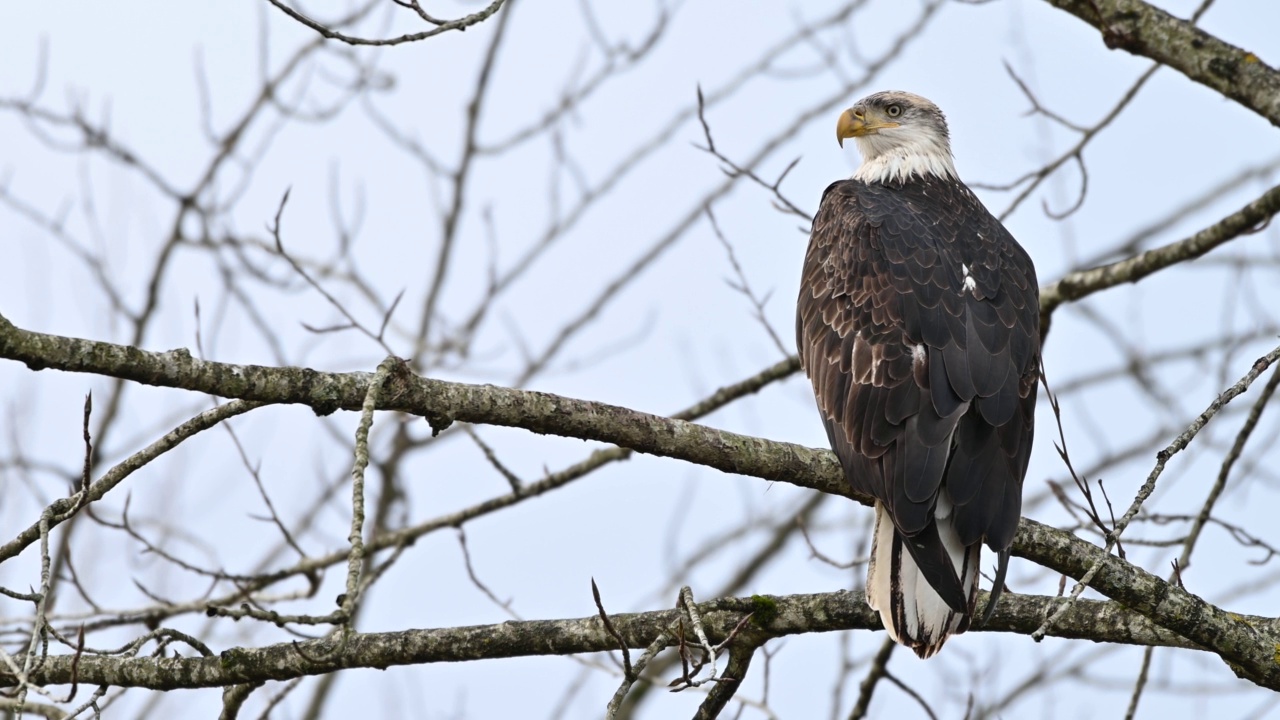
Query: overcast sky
(155, 73)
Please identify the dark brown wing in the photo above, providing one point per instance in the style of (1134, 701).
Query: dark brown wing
(918, 325)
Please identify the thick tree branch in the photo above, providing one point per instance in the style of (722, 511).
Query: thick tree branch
(787, 615)
(1248, 645)
(1142, 29)
(438, 401)
(1086, 282)
(1242, 644)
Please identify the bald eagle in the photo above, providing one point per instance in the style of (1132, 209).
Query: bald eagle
(918, 324)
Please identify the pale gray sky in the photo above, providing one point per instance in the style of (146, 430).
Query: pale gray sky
(672, 336)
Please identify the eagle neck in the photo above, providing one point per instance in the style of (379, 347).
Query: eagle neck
(903, 165)
(909, 152)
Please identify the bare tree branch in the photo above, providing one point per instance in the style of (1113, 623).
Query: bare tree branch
(788, 615)
(1082, 283)
(1142, 29)
(441, 402)
(441, 26)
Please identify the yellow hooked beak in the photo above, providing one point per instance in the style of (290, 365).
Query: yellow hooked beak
(854, 123)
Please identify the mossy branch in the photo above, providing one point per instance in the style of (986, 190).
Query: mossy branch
(1142, 29)
(1249, 648)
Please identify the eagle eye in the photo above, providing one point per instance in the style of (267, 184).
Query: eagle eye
(893, 110)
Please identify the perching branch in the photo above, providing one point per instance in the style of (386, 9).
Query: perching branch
(442, 402)
(787, 615)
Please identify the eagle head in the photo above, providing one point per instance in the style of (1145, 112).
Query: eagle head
(899, 134)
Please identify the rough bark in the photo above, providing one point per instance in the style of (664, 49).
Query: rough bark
(774, 617)
(1249, 646)
(1142, 29)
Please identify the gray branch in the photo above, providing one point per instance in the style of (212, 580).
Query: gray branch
(1141, 29)
(1244, 645)
(1076, 285)
(440, 26)
(774, 617)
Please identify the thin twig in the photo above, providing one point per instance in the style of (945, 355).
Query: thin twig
(875, 673)
(1140, 685)
(1220, 483)
(355, 559)
(441, 26)
(660, 643)
(1162, 458)
(627, 672)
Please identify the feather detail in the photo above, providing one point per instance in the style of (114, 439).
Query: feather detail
(918, 325)
(913, 613)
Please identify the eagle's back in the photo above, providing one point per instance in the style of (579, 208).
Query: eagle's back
(918, 324)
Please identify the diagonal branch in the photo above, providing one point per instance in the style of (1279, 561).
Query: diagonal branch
(68, 507)
(1078, 284)
(1139, 28)
(1245, 646)
(440, 402)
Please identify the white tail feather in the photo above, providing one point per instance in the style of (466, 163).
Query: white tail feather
(912, 611)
